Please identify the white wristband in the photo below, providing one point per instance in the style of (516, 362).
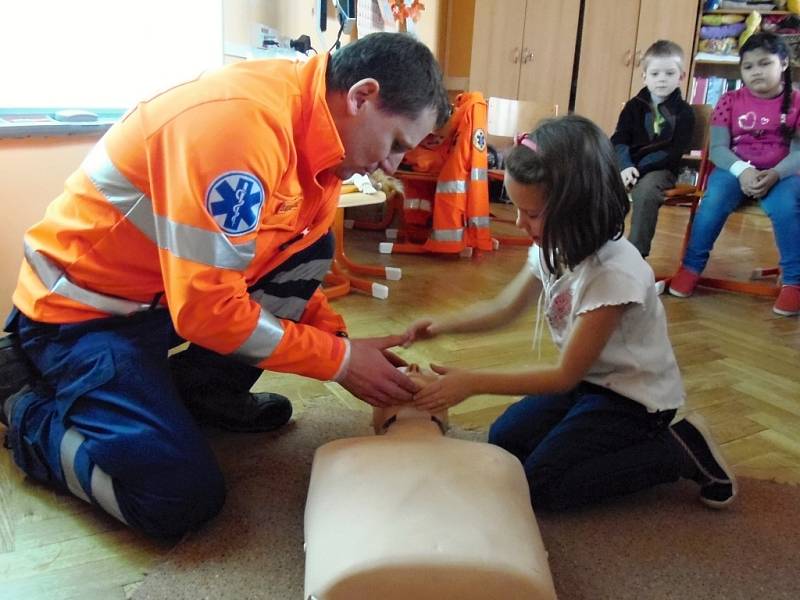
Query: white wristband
(739, 167)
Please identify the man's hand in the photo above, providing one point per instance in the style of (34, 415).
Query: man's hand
(629, 177)
(372, 374)
(747, 181)
(419, 330)
(763, 182)
(455, 385)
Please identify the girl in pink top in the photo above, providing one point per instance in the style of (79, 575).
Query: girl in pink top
(755, 148)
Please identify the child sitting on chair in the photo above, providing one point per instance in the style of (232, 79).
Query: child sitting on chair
(653, 132)
(756, 151)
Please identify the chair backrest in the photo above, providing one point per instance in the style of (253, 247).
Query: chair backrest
(700, 140)
(508, 117)
(702, 123)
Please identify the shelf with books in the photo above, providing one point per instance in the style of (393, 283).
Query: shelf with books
(712, 71)
(709, 89)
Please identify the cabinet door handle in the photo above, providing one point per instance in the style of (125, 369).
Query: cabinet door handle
(515, 55)
(527, 55)
(628, 58)
(638, 57)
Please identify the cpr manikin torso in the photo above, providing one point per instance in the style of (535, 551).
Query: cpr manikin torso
(413, 514)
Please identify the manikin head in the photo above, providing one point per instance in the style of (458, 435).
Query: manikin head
(385, 418)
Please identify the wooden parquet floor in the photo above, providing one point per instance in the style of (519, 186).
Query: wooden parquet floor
(740, 362)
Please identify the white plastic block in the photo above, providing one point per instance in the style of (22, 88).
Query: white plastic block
(394, 273)
(380, 291)
(495, 243)
(661, 287)
(385, 247)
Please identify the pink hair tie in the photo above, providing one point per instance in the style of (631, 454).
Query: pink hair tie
(522, 138)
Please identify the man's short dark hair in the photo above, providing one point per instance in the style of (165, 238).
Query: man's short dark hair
(409, 77)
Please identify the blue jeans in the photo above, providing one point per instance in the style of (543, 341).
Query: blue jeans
(586, 445)
(723, 195)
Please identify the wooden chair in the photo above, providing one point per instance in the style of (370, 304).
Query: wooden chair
(690, 196)
(507, 118)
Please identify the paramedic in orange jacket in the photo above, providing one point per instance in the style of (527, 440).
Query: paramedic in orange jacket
(203, 215)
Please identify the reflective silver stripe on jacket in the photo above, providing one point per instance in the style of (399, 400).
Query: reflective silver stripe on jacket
(263, 341)
(185, 241)
(56, 281)
(447, 235)
(292, 307)
(456, 186)
(313, 269)
(478, 222)
(284, 308)
(417, 204)
(478, 174)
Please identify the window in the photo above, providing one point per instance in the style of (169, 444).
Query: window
(102, 54)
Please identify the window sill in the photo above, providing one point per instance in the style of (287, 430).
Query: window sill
(45, 122)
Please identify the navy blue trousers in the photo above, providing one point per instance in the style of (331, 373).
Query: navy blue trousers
(586, 445)
(107, 420)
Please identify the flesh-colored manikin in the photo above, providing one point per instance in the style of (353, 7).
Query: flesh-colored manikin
(415, 514)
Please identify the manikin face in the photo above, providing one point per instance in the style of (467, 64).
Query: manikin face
(762, 72)
(530, 200)
(374, 138)
(662, 75)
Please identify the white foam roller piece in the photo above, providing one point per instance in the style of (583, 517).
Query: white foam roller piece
(385, 247)
(380, 291)
(466, 253)
(391, 234)
(394, 273)
(348, 223)
(761, 274)
(495, 243)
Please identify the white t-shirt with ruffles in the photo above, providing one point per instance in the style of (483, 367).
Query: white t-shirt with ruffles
(638, 361)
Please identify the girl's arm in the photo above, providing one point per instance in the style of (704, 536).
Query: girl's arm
(503, 308)
(790, 165)
(592, 331)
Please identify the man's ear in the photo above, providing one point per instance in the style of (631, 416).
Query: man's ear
(360, 93)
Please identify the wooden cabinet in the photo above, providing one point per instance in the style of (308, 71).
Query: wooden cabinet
(524, 49)
(612, 45)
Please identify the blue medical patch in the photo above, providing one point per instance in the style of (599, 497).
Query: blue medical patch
(234, 200)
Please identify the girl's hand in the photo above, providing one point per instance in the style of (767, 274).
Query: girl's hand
(747, 181)
(423, 329)
(454, 386)
(764, 182)
(629, 177)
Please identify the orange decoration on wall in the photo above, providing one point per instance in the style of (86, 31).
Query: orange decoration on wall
(402, 11)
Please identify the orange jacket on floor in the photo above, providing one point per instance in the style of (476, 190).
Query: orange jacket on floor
(460, 206)
(187, 201)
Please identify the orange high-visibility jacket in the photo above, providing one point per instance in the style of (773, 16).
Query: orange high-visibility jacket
(461, 201)
(191, 198)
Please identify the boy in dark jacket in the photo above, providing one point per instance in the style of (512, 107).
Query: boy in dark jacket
(653, 132)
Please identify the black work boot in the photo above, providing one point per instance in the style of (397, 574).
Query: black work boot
(244, 412)
(16, 372)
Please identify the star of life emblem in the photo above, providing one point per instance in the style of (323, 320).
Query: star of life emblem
(479, 140)
(234, 200)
